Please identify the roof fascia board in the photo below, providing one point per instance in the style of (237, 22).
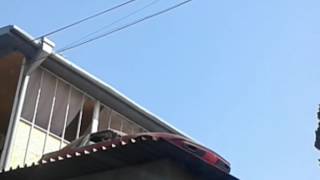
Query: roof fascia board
(15, 39)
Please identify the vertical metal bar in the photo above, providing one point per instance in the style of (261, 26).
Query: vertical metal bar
(95, 117)
(50, 116)
(14, 117)
(33, 119)
(80, 117)
(110, 119)
(65, 119)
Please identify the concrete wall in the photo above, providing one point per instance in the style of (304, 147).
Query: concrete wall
(160, 170)
(36, 145)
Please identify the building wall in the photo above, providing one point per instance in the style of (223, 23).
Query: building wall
(55, 113)
(36, 145)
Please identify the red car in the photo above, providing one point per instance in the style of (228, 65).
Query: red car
(108, 137)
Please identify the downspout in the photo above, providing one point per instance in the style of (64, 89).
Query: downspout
(45, 50)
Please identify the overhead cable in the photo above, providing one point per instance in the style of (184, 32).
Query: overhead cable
(112, 23)
(125, 26)
(85, 19)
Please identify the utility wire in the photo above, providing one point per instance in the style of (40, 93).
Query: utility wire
(125, 26)
(85, 19)
(111, 24)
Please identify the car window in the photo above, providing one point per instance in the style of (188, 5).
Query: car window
(102, 136)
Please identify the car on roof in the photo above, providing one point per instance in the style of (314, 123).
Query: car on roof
(109, 137)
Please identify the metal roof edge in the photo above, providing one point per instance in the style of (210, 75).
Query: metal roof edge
(23, 34)
(5, 29)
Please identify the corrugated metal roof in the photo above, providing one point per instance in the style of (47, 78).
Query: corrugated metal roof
(132, 152)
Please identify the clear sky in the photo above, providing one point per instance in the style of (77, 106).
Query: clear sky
(241, 77)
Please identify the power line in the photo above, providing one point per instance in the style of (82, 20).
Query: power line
(125, 26)
(111, 24)
(85, 19)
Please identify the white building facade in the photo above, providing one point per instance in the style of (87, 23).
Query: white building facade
(46, 102)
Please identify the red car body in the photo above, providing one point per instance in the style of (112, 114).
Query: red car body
(108, 137)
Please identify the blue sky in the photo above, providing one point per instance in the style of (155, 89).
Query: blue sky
(241, 77)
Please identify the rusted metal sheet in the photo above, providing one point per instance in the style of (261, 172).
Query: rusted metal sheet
(106, 158)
